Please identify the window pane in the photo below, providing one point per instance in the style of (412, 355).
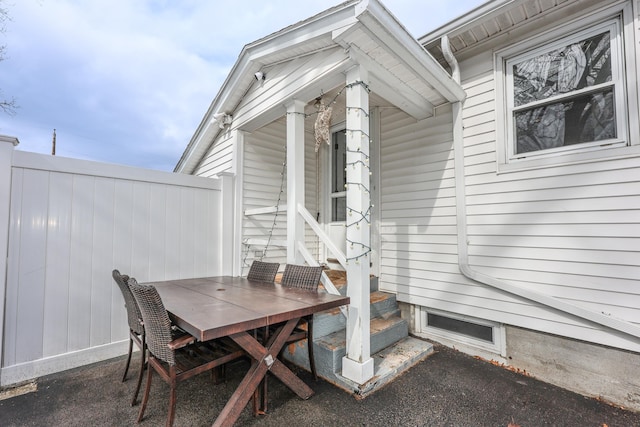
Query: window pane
(585, 118)
(460, 326)
(338, 176)
(339, 209)
(339, 160)
(576, 66)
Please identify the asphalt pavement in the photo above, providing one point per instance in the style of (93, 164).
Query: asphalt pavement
(446, 389)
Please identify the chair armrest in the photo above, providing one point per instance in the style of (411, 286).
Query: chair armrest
(181, 341)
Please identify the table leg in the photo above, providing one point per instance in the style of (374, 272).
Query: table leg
(267, 359)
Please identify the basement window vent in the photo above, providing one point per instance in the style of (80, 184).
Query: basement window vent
(470, 331)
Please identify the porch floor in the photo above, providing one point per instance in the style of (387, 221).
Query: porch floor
(447, 388)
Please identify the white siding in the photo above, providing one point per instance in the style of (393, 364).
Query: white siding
(219, 157)
(418, 215)
(574, 236)
(572, 232)
(264, 155)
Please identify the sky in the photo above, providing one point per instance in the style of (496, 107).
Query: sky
(128, 81)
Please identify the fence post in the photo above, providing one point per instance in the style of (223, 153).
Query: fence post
(7, 144)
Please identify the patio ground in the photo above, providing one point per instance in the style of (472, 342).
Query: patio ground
(447, 389)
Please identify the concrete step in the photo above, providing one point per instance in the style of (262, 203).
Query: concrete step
(388, 364)
(330, 349)
(327, 322)
(392, 350)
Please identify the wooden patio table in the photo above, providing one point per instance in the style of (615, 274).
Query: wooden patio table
(214, 307)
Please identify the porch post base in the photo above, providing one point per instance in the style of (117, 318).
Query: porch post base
(359, 372)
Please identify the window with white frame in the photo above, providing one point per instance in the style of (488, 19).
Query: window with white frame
(468, 331)
(565, 95)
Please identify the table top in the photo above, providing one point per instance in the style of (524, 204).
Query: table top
(213, 307)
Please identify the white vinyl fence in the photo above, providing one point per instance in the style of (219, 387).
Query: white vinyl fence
(66, 224)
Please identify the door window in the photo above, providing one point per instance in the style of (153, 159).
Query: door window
(338, 176)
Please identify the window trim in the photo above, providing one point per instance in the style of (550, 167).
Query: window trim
(497, 346)
(619, 19)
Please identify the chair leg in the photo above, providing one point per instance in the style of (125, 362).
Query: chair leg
(143, 357)
(265, 380)
(218, 375)
(145, 398)
(126, 367)
(312, 360)
(172, 397)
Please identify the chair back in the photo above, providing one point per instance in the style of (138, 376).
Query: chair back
(157, 324)
(134, 317)
(263, 271)
(301, 276)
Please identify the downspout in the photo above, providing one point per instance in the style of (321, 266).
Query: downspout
(463, 242)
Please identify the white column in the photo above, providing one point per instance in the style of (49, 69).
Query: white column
(295, 179)
(357, 365)
(227, 225)
(238, 193)
(7, 145)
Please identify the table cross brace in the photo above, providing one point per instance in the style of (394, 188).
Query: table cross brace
(264, 359)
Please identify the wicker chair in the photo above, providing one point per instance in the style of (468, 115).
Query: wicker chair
(308, 278)
(263, 271)
(136, 330)
(175, 358)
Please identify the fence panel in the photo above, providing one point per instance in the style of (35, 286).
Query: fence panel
(71, 223)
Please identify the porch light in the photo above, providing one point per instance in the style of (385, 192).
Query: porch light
(223, 119)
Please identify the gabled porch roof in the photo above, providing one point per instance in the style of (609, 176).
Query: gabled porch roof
(357, 32)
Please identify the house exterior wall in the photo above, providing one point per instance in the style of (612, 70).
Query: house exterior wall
(419, 252)
(418, 208)
(71, 223)
(568, 231)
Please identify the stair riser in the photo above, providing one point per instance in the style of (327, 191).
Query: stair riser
(373, 286)
(328, 322)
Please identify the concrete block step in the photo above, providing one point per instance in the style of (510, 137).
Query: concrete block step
(389, 364)
(330, 349)
(327, 322)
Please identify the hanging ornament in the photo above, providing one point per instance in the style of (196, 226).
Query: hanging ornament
(323, 124)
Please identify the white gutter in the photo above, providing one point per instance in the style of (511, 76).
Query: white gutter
(463, 254)
(480, 13)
